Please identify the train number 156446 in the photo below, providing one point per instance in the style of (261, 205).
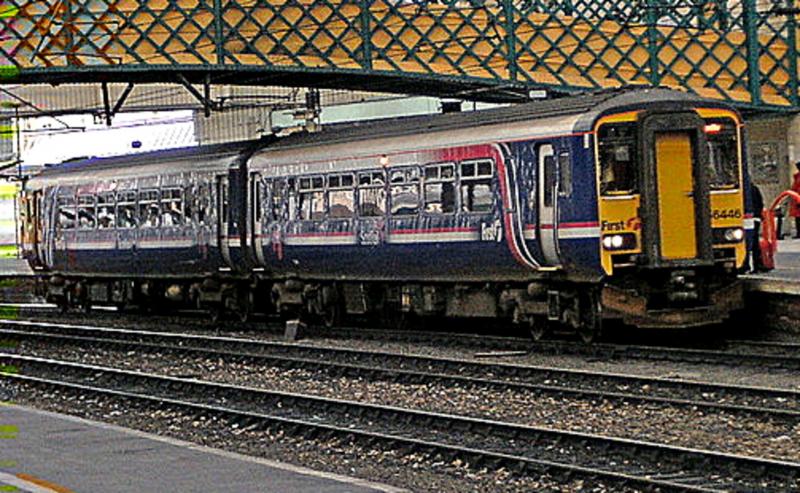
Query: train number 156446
(726, 214)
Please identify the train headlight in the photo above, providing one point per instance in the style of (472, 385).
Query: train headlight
(620, 241)
(728, 235)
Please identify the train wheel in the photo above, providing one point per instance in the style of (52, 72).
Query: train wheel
(591, 314)
(244, 306)
(331, 315)
(216, 313)
(539, 328)
(63, 304)
(331, 306)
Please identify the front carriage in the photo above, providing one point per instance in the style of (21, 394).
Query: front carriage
(626, 204)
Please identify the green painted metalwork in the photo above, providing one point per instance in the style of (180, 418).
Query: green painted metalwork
(742, 51)
(791, 38)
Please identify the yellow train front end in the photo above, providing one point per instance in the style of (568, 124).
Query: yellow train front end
(672, 214)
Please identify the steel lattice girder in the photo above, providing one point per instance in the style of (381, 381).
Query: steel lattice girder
(740, 51)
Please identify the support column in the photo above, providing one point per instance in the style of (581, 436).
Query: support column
(753, 50)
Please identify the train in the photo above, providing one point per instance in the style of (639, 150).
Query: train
(628, 204)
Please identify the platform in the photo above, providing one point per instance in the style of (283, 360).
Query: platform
(14, 267)
(45, 452)
(785, 279)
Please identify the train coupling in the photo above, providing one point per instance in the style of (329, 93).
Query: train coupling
(683, 287)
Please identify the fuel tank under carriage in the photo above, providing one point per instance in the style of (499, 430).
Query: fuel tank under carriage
(627, 204)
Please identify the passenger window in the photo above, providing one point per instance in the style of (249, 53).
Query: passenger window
(66, 212)
(105, 211)
(341, 196)
(86, 212)
(440, 193)
(149, 210)
(126, 209)
(404, 191)
(371, 194)
(476, 186)
(565, 175)
(312, 199)
(171, 207)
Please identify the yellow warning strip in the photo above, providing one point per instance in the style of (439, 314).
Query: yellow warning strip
(42, 484)
(31, 484)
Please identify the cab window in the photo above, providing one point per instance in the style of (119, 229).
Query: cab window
(723, 153)
(617, 156)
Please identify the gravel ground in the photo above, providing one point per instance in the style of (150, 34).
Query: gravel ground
(742, 375)
(415, 471)
(694, 428)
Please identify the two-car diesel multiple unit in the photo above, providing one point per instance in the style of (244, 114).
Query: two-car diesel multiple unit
(624, 204)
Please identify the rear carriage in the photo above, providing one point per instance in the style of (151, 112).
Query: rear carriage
(124, 230)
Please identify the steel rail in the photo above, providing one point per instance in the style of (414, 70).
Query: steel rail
(781, 357)
(629, 461)
(445, 374)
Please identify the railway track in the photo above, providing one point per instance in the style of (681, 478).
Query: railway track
(482, 442)
(779, 355)
(413, 369)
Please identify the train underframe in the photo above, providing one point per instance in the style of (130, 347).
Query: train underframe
(667, 298)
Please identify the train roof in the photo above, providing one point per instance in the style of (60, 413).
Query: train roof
(333, 148)
(184, 159)
(588, 106)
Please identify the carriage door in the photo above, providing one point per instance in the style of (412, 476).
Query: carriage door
(224, 232)
(676, 198)
(372, 224)
(548, 219)
(38, 226)
(258, 196)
